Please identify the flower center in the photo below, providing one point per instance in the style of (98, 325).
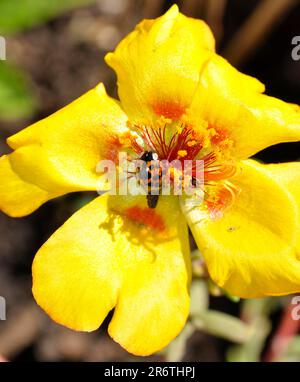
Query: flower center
(169, 141)
(180, 143)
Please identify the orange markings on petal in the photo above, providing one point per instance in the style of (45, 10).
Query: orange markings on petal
(218, 135)
(221, 201)
(114, 145)
(146, 217)
(220, 172)
(168, 109)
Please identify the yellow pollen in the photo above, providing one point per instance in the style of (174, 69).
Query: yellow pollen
(130, 125)
(182, 153)
(125, 142)
(162, 121)
(179, 129)
(192, 143)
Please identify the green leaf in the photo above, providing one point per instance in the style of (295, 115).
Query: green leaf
(177, 348)
(292, 353)
(18, 15)
(231, 297)
(199, 297)
(251, 350)
(256, 313)
(259, 307)
(223, 325)
(16, 99)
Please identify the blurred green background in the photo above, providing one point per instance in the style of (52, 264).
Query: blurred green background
(55, 52)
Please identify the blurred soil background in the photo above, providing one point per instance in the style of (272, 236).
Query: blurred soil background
(55, 58)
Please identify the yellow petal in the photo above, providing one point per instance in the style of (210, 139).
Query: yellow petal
(22, 198)
(116, 251)
(60, 153)
(288, 174)
(252, 250)
(158, 64)
(233, 105)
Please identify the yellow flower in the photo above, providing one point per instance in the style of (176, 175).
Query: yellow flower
(181, 99)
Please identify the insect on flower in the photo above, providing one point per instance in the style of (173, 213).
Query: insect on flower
(153, 178)
(178, 101)
(157, 166)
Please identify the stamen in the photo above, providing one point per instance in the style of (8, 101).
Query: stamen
(155, 139)
(192, 143)
(182, 142)
(182, 153)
